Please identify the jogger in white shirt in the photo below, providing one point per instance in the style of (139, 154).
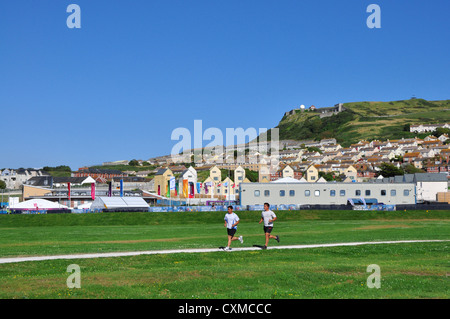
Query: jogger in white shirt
(231, 222)
(268, 217)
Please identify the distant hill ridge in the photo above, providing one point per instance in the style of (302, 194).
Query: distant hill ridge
(350, 122)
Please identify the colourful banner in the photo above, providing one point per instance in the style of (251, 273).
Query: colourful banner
(93, 191)
(185, 188)
(191, 190)
(172, 183)
(168, 189)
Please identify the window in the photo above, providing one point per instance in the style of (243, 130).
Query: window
(266, 193)
(357, 192)
(393, 192)
(383, 192)
(257, 193)
(307, 193)
(332, 192)
(342, 192)
(367, 192)
(317, 193)
(313, 178)
(282, 193)
(291, 193)
(216, 178)
(406, 192)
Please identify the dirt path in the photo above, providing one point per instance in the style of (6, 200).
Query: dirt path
(201, 250)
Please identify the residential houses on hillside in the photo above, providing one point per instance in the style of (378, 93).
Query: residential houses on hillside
(359, 162)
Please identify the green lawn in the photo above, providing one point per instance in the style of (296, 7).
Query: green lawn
(416, 270)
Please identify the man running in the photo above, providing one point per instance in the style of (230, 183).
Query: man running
(268, 217)
(231, 222)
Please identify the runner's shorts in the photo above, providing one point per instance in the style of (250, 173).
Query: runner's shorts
(231, 232)
(268, 229)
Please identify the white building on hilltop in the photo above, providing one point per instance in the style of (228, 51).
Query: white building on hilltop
(427, 127)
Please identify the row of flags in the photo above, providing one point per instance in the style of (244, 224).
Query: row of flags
(187, 190)
(188, 187)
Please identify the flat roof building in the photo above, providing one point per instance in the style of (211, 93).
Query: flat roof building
(397, 190)
(326, 193)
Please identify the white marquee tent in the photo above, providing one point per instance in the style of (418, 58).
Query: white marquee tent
(118, 203)
(37, 204)
(286, 180)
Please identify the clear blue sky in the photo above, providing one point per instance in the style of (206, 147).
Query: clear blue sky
(116, 88)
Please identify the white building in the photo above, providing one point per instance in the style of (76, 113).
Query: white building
(190, 175)
(429, 184)
(427, 127)
(15, 178)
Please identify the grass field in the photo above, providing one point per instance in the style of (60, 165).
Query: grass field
(413, 270)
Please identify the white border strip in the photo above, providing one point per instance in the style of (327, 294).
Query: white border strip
(201, 250)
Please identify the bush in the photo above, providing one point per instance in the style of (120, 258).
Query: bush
(390, 170)
(61, 168)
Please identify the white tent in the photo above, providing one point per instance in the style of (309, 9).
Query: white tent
(118, 203)
(286, 180)
(84, 206)
(321, 180)
(37, 204)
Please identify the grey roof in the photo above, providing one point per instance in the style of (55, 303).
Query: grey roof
(399, 179)
(161, 171)
(430, 177)
(414, 178)
(409, 178)
(45, 181)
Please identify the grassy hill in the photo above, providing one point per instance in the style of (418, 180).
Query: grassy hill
(365, 120)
